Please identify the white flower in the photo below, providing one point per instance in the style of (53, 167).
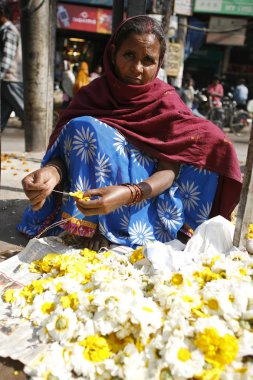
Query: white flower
(54, 364)
(190, 195)
(84, 143)
(61, 325)
(103, 169)
(183, 360)
(140, 233)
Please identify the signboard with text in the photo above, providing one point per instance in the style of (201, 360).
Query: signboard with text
(236, 31)
(183, 7)
(225, 7)
(172, 59)
(76, 17)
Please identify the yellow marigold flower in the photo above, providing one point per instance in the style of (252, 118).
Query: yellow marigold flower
(79, 194)
(250, 231)
(183, 354)
(218, 350)
(48, 307)
(207, 275)
(96, 348)
(137, 255)
(177, 279)
(70, 300)
(9, 296)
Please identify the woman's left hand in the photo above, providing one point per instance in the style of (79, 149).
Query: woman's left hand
(109, 198)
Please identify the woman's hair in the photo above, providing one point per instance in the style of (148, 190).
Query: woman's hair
(141, 25)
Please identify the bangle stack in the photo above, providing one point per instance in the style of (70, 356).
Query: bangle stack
(136, 193)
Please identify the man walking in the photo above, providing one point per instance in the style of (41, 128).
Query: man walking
(241, 94)
(10, 67)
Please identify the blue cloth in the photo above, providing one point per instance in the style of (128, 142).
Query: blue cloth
(97, 155)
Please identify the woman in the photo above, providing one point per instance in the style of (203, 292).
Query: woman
(82, 78)
(129, 142)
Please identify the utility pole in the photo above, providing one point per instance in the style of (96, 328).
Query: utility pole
(117, 13)
(38, 20)
(135, 7)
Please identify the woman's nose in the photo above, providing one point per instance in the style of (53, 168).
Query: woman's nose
(137, 67)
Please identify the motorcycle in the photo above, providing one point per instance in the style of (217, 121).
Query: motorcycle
(229, 116)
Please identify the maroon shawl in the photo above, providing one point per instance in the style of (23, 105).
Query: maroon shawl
(154, 119)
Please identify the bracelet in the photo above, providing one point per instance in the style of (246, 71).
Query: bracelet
(136, 193)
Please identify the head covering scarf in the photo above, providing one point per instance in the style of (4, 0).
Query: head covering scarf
(82, 78)
(155, 120)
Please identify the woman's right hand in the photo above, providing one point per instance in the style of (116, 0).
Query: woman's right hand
(39, 185)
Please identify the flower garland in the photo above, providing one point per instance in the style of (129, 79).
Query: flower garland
(109, 316)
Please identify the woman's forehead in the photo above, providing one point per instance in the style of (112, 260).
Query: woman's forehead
(145, 40)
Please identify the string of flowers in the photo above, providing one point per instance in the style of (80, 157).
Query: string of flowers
(109, 316)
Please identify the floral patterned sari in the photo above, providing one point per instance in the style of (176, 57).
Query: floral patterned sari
(97, 155)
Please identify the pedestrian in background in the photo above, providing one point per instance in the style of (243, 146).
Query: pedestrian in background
(96, 73)
(215, 92)
(67, 83)
(12, 98)
(82, 78)
(241, 94)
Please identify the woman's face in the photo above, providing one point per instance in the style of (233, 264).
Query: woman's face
(136, 62)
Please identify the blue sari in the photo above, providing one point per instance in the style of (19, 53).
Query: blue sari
(96, 155)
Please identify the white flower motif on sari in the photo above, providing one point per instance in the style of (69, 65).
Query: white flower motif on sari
(204, 213)
(161, 233)
(124, 222)
(82, 184)
(102, 169)
(67, 148)
(140, 233)
(202, 170)
(189, 194)
(141, 158)
(84, 143)
(121, 144)
(170, 216)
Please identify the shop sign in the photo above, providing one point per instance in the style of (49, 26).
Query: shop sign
(76, 17)
(226, 7)
(240, 69)
(173, 59)
(231, 38)
(183, 7)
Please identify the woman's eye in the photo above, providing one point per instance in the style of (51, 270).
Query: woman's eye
(129, 55)
(149, 61)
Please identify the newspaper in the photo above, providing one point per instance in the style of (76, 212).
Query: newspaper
(17, 337)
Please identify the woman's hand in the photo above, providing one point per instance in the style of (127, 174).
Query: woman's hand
(110, 198)
(39, 185)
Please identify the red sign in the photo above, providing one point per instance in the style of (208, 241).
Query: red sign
(87, 19)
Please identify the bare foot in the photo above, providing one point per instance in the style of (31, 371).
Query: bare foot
(95, 243)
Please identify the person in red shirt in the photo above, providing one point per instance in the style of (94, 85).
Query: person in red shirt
(215, 92)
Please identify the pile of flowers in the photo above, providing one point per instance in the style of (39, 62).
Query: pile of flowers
(110, 316)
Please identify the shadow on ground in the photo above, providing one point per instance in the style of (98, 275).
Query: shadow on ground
(10, 214)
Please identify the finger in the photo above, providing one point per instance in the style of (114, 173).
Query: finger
(90, 204)
(38, 206)
(89, 212)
